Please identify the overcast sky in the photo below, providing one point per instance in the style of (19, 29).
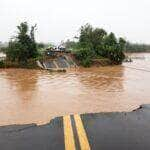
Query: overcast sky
(60, 19)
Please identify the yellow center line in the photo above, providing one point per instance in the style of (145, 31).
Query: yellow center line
(68, 134)
(84, 144)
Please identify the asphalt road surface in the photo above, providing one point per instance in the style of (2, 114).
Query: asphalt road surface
(100, 131)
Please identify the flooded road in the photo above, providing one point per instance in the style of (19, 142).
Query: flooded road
(34, 96)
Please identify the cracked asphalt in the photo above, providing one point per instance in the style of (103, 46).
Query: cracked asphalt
(100, 131)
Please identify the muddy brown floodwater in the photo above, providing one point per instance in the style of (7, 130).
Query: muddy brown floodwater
(34, 96)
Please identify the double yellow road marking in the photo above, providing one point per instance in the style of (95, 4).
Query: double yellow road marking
(69, 136)
(84, 144)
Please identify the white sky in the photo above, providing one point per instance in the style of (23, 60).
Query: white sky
(60, 19)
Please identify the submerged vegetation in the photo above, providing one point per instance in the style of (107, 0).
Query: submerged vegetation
(97, 43)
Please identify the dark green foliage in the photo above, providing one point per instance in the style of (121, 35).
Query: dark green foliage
(13, 51)
(113, 49)
(96, 43)
(2, 64)
(86, 62)
(86, 36)
(92, 38)
(84, 56)
(23, 47)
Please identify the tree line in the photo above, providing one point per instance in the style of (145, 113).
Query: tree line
(136, 47)
(92, 43)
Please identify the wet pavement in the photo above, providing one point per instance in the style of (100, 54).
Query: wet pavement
(100, 131)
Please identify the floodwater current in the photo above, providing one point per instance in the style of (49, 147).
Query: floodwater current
(37, 96)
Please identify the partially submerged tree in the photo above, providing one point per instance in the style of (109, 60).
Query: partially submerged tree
(96, 43)
(23, 46)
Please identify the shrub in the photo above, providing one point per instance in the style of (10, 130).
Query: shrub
(84, 56)
(86, 62)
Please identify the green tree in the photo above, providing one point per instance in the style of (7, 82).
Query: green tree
(97, 39)
(86, 36)
(92, 38)
(23, 46)
(114, 49)
(12, 52)
(95, 43)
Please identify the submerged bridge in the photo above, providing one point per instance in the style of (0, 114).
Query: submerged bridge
(100, 131)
